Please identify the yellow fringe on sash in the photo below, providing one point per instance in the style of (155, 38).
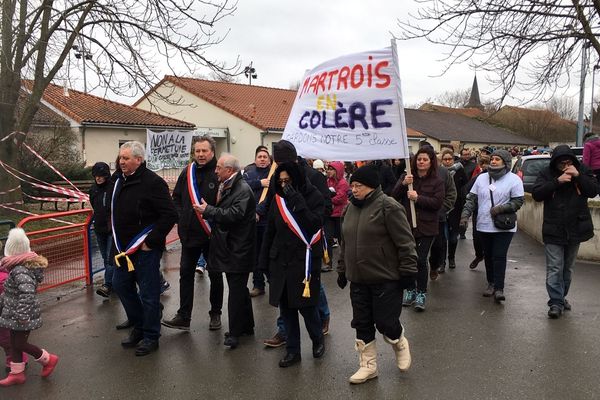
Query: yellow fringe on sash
(306, 292)
(325, 256)
(129, 263)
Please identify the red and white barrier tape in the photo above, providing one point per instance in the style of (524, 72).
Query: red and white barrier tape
(62, 199)
(51, 166)
(35, 215)
(10, 190)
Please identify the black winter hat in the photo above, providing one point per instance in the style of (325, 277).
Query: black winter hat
(101, 169)
(367, 175)
(284, 151)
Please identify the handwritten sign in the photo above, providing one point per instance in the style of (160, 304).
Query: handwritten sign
(350, 109)
(168, 149)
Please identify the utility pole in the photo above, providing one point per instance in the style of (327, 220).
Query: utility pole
(580, 123)
(82, 54)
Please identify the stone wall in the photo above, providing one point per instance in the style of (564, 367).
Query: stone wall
(531, 216)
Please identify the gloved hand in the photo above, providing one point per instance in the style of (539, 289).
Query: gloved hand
(464, 223)
(341, 280)
(497, 210)
(293, 198)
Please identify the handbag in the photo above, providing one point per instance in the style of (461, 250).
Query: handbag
(505, 221)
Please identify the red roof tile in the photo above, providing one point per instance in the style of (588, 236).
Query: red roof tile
(264, 107)
(89, 109)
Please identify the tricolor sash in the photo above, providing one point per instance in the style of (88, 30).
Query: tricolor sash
(195, 196)
(291, 222)
(135, 243)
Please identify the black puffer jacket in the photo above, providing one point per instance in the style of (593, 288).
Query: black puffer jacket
(142, 200)
(19, 305)
(233, 220)
(567, 218)
(190, 232)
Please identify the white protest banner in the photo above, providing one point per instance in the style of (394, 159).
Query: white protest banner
(350, 109)
(168, 149)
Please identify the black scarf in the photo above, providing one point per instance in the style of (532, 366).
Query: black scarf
(497, 172)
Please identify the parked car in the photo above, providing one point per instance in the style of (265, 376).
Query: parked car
(528, 167)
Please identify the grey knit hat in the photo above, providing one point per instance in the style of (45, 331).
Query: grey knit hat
(505, 156)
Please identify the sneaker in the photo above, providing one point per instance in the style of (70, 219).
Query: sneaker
(499, 296)
(104, 291)
(276, 341)
(255, 292)
(420, 301)
(489, 291)
(441, 270)
(215, 322)
(177, 322)
(409, 297)
(463, 237)
(566, 305)
(164, 286)
(335, 244)
(200, 270)
(231, 341)
(554, 312)
(451, 263)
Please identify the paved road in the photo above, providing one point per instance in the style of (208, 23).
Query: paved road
(464, 346)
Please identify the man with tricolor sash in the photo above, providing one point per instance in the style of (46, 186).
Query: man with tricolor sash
(197, 183)
(233, 244)
(142, 214)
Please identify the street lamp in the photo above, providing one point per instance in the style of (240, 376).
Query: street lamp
(250, 73)
(82, 53)
(596, 67)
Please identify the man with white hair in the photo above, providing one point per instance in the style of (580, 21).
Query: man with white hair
(232, 245)
(142, 214)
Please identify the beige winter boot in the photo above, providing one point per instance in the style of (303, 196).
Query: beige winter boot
(402, 351)
(367, 355)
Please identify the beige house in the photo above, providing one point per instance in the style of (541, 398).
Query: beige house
(100, 125)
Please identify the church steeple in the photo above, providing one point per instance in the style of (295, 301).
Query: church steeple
(474, 101)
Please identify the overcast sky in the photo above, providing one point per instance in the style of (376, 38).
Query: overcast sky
(283, 39)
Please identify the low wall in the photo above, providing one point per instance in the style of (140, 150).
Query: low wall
(531, 216)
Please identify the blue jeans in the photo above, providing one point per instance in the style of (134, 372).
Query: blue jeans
(323, 312)
(142, 310)
(105, 243)
(495, 249)
(559, 267)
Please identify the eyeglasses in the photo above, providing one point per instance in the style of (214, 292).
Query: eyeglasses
(284, 180)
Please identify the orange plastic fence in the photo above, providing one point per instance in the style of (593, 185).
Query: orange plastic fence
(66, 246)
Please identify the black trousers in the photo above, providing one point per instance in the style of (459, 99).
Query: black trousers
(423, 247)
(439, 248)
(312, 321)
(376, 306)
(187, 273)
(239, 304)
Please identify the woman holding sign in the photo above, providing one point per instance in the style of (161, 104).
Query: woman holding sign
(292, 248)
(428, 196)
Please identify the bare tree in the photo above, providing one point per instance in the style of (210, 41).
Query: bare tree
(532, 44)
(454, 98)
(563, 106)
(132, 42)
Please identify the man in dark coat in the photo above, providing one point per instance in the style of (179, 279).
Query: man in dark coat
(564, 187)
(194, 234)
(233, 244)
(256, 176)
(141, 204)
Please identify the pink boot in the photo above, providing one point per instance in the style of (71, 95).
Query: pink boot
(16, 375)
(9, 360)
(49, 361)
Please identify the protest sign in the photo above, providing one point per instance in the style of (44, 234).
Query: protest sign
(350, 109)
(168, 149)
